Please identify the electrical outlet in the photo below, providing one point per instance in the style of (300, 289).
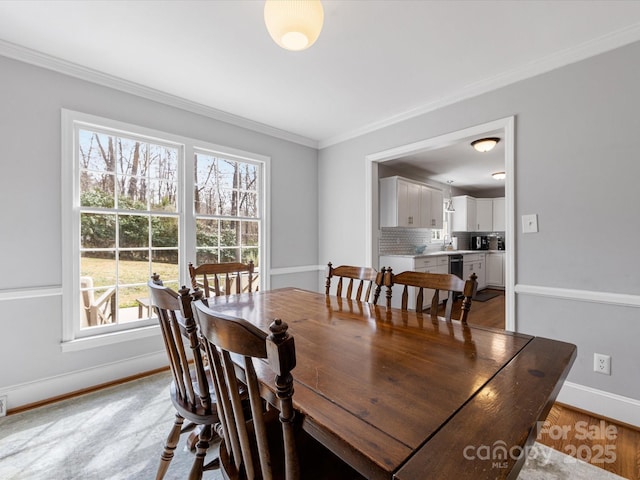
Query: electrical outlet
(3, 405)
(602, 363)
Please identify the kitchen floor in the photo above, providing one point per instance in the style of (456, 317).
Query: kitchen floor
(490, 313)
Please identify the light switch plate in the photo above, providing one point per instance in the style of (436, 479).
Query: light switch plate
(530, 223)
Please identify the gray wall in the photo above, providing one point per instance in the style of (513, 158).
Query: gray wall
(30, 237)
(576, 166)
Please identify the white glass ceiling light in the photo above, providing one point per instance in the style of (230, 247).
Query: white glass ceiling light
(294, 24)
(485, 144)
(499, 175)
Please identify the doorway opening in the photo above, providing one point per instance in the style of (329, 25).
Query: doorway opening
(506, 130)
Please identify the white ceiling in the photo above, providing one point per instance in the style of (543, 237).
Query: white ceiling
(376, 62)
(469, 170)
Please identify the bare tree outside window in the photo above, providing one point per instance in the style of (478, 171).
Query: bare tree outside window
(227, 210)
(129, 222)
(133, 205)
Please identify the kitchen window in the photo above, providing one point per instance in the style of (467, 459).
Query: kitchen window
(439, 235)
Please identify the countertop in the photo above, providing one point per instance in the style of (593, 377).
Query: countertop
(436, 253)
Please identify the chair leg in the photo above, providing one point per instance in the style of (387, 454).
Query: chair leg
(201, 451)
(169, 447)
(192, 439)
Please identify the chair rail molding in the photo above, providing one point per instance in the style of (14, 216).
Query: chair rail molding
(610, 298)
(31, 292)
(299, 269)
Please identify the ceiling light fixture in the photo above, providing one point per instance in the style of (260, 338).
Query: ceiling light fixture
(499, 175)
(294, 24)
(485, 144)
(448, 207)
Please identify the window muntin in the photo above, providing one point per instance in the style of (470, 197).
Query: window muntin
(227, 209)
(128, 189)
(101, 207)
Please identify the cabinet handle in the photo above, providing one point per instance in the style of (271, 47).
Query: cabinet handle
(410, 220)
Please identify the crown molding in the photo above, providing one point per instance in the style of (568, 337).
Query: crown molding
(560, 59)
(39, 59)
(591, 48)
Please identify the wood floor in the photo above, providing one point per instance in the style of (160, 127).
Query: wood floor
(602, 442)
(488, 314)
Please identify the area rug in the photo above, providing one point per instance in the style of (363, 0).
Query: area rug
(484, 296)
(117, 434)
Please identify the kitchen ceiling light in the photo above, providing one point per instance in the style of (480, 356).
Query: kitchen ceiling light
(485, 144)
(448, 207)
(499, 175)
(294, 24)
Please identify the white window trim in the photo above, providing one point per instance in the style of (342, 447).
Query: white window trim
(71, 341)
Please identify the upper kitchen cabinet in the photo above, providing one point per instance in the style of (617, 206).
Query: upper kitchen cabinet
(478, 214)
(431, 203)
(406, 203)
(464, 217)
(499, 214)
(399, 203)
(484, 214)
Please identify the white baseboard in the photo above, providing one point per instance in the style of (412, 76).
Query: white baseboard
(51, 387)
(610, 405)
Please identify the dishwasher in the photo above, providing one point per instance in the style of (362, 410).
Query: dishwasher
(455, 268)
(455, 265)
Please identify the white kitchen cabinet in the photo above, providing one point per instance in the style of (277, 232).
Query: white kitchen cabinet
(437, 208)
(429, 264)
(464, 217)
(432, 209)
(399, 203)
(405, 203)
(475, 263)
(495, 269)
(484, 215)
(499, 214)
(478, 214)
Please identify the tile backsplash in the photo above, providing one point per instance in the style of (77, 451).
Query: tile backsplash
(402, 241)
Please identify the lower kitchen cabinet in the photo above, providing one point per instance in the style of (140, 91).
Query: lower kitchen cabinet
(475, 263)
(495, 269)
(429, 264)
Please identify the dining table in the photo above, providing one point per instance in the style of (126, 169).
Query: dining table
(407, 396)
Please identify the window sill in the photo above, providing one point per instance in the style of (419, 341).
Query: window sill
(109, 339)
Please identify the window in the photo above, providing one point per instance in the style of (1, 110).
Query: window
(124, 218)
(441, 235)
(129, 220)
(227, 210)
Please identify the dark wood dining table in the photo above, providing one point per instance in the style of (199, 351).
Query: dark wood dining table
(400, 395)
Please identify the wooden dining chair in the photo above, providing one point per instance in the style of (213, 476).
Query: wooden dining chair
(101, 310)
(217, 279)
(267, 441)
(191, 392)
(449, 284)
(365, 280)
